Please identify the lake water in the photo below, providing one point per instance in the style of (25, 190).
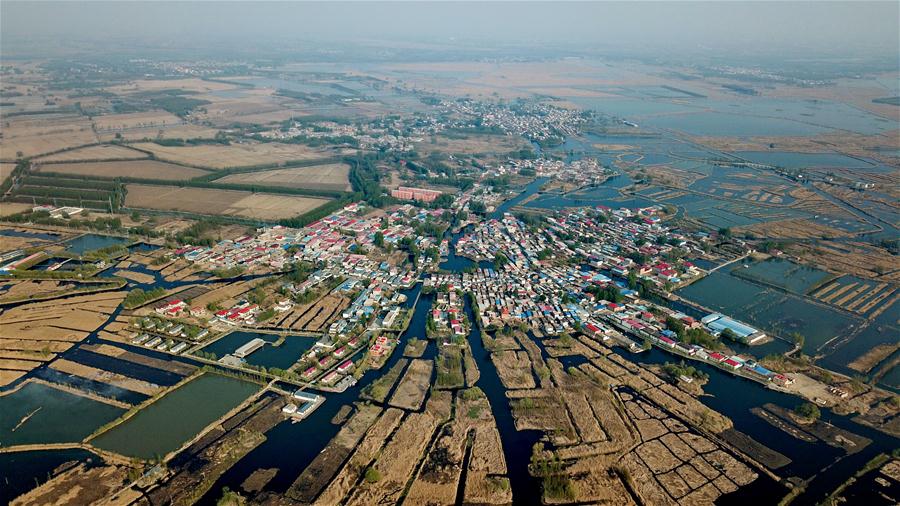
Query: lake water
(58, 416)
(177, 417)
(282, 356)
(296, 85)
(733, 125)
(794, 160)
(91, 242)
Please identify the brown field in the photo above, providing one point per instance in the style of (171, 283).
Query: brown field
(25, 288)
(332, 176)
(79, 485)
(101, 152)
(190, 84)
(148, 169)
(40, 330)
(135, 120)
(5, 170)
(374, 440)
(8, 208)
(411, 392)
(236, 155)
(173, 131)
(226, 202)
(48, 133)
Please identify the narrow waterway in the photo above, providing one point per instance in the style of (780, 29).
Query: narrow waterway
(517, 445)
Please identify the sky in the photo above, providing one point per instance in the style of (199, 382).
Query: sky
(855, 28)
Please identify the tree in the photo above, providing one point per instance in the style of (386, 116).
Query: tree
(379, 239)
(675, 326)
(477, 207)
(729, 334)
(809, 411)
(725, 232)
(632, 280)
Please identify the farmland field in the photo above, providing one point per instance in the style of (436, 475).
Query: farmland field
(5, 169)
(331, 176)
(148, 169)
(50, 132)
(133, 120)
(172, 131)
(102, 152)
(226, 202)
(237, 155)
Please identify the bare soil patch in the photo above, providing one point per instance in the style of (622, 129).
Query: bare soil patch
(331, 176)
(216, 156)
(147, 169)
(224, 202)
(412, 389)
(101, 152)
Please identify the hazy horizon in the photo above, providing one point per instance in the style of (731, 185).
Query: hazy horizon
(791, 29)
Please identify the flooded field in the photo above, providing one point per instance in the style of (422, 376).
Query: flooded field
(851, 293)
(793, 160)
(22, 470)
(175, 418)
(43, 236)
(785, 274)
(769, 309)
(33, 415)
(281, 356)
(734, 125)
(90, 242)
(123, 367)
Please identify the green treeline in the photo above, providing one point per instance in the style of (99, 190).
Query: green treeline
(138, 297)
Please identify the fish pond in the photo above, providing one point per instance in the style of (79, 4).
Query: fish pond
(175, 418)
(790, 276)
(38, 414)
(91, 242)
(769, 309)
(281, 355)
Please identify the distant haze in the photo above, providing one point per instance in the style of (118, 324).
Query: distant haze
(764, 28)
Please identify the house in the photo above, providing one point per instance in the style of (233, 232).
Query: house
(732, 364)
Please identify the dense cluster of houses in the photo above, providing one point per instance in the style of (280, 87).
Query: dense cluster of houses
(553, 296)
(533, 120)
(331, 240)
